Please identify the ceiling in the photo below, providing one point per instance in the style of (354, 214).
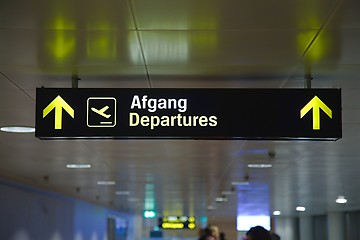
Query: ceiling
(183, 44)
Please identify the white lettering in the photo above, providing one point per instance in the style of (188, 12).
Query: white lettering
(144, 99)
(153, 104)
(135, 102)
(182, 105)
(162, 103)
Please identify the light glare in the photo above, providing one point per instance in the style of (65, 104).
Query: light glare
(78, 166)
(106, 183)
(220, 199)
(300, 209)
(341, 200)
(277, 213)
(240, 183)
(18, 129)
(149, 214)
(122, 193)
(244, 222)
(260, 165)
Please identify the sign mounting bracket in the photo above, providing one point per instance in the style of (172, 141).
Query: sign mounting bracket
(75, 80)
(308, 76)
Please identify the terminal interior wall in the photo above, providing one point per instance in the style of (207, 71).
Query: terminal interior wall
(32, 214)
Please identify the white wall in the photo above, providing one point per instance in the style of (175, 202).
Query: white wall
(287, 228)
(306, 228)
(30, 214)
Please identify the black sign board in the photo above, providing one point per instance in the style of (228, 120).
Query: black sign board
(177, 222)
(269, 114)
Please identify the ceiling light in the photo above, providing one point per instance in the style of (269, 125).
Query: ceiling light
(240, 183)
(149, 214)
(262, 165)
(341, 200)
(18, 129)
(78, 166)
(277, 213)
(226, 193)
(122, 193)
(221, 199)
(211, 207)
(106, 183)
(300, 209)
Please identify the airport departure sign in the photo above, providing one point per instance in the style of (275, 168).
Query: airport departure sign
(177, 222)
(182, 113)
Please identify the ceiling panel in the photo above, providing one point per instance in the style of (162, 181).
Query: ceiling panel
(232, 14)
(218, 75)
(15, 109)
(65, 14)
(346, 15)
(5, 82)
(249, 48)
(65, 51)
(131, 77)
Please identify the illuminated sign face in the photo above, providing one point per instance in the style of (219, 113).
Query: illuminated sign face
(174, 222)
(271, 114)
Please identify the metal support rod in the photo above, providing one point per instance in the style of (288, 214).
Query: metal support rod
(74, 81)
(308, 76)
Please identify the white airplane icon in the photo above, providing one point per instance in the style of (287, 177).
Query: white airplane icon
(101, 112)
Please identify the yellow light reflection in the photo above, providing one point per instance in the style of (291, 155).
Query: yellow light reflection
(205, 42)
(101, 45)
(101, 41)
(60, 23)
(61, 45)
(319, 48)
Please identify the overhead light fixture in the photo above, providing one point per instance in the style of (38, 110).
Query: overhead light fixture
(244, 183)
(106, 183)
(341, 199)
(261, 165)
(211, 207)
(300, 209)
(276, 213)
(122, 193)
(149, 214)
(221, 199)
(18, 129)
(78, 166)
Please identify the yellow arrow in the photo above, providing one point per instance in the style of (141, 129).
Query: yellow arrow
(58, 103)
(316, 104)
